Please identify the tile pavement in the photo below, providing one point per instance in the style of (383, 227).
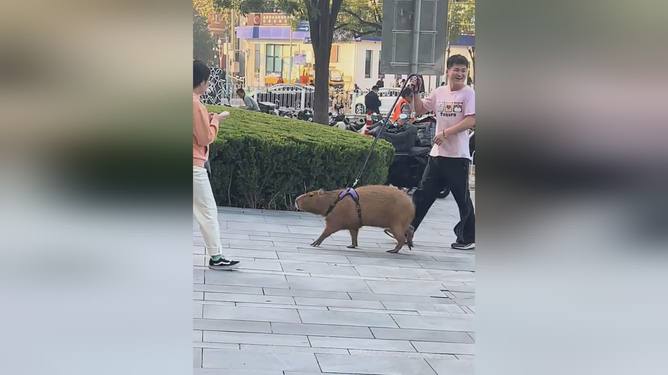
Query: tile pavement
(295, 310)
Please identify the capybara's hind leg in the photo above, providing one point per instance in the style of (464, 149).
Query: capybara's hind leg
(353, 236)
(400, 236)
(325, 233)
(409, 236)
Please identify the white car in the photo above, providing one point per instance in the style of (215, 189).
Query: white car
(387, 96)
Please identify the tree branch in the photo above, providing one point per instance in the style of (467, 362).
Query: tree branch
(361, 20)
(336, 7)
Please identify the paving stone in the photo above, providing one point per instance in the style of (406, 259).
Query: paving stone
(248, 313)
(327, 284)
(231, 325)
(347, 318)
(385, 365)
(197, 357)
(356, 343)
(424, 307)
(443, 347)
(400, 297)
(321, 330)
(198, 276)
(211, 371)
(454, 323)
(213, 296)
(383, 353)
(197, 309)
(255, 338)
(246, 279)
(291, 255)
(287, 350)
(320, 268)
(306, 293)
(407, 287)
(393, 272)
(227, 289)
(421, 334)
(338, 302)
(236, 360)
(451, 367)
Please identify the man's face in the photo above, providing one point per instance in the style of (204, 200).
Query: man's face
(457, 75)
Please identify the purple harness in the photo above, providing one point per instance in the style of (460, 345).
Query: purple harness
(354, 195)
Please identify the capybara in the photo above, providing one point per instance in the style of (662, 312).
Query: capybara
(381, 206)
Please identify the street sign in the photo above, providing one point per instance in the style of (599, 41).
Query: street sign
(414, 44)
(303, 26)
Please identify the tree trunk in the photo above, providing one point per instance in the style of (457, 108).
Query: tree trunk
(322, 19)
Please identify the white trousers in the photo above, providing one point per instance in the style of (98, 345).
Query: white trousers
(205, 211)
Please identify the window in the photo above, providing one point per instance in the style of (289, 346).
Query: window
(334, 54)
(257, 58)
(274, 59)
(367, 64)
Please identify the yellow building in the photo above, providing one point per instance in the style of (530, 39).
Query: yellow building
(273, 52)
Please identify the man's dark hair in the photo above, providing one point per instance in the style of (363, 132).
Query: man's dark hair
(240, 90)
(374, 88)
(457, 60)
(406, 93)
(201, 73)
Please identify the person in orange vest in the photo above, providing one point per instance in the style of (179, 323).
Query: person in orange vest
(403, 105)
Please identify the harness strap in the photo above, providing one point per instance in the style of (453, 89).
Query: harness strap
(355, 197)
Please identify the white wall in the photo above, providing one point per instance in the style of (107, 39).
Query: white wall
(360, 55)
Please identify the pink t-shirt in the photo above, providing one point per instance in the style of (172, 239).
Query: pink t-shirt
(450, 108)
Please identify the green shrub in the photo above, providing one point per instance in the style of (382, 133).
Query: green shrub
(265, 161)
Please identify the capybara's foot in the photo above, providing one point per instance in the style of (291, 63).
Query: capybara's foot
(315, 244)
(351, 247)
(393, 251)
(409, 237)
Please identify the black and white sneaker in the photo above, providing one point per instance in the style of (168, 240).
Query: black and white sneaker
(223, 264)
(463, 246)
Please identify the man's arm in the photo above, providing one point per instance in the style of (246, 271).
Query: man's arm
(467, 123)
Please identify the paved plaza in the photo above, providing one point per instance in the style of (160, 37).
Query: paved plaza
(291, 309)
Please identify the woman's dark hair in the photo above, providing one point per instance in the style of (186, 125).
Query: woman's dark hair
(201, 73)
(406, 92)
(457, 60)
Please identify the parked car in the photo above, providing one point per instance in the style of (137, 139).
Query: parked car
(387, 96)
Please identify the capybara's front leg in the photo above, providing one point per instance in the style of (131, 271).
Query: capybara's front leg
(328, 231)
(353, 236)
(400, 236)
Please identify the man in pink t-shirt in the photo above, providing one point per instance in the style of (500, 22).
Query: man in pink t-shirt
(449, 159)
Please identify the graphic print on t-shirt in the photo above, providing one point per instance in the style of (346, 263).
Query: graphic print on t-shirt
(450, 109)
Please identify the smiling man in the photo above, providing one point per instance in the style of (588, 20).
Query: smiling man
(450, 158)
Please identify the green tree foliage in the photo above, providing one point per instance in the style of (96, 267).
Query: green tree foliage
(203, 43)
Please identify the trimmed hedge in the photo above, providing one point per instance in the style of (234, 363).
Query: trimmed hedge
(266, 161)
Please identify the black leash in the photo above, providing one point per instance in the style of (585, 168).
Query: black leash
(384, 125)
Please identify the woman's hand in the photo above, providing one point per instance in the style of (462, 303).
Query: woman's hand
(223, 115)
